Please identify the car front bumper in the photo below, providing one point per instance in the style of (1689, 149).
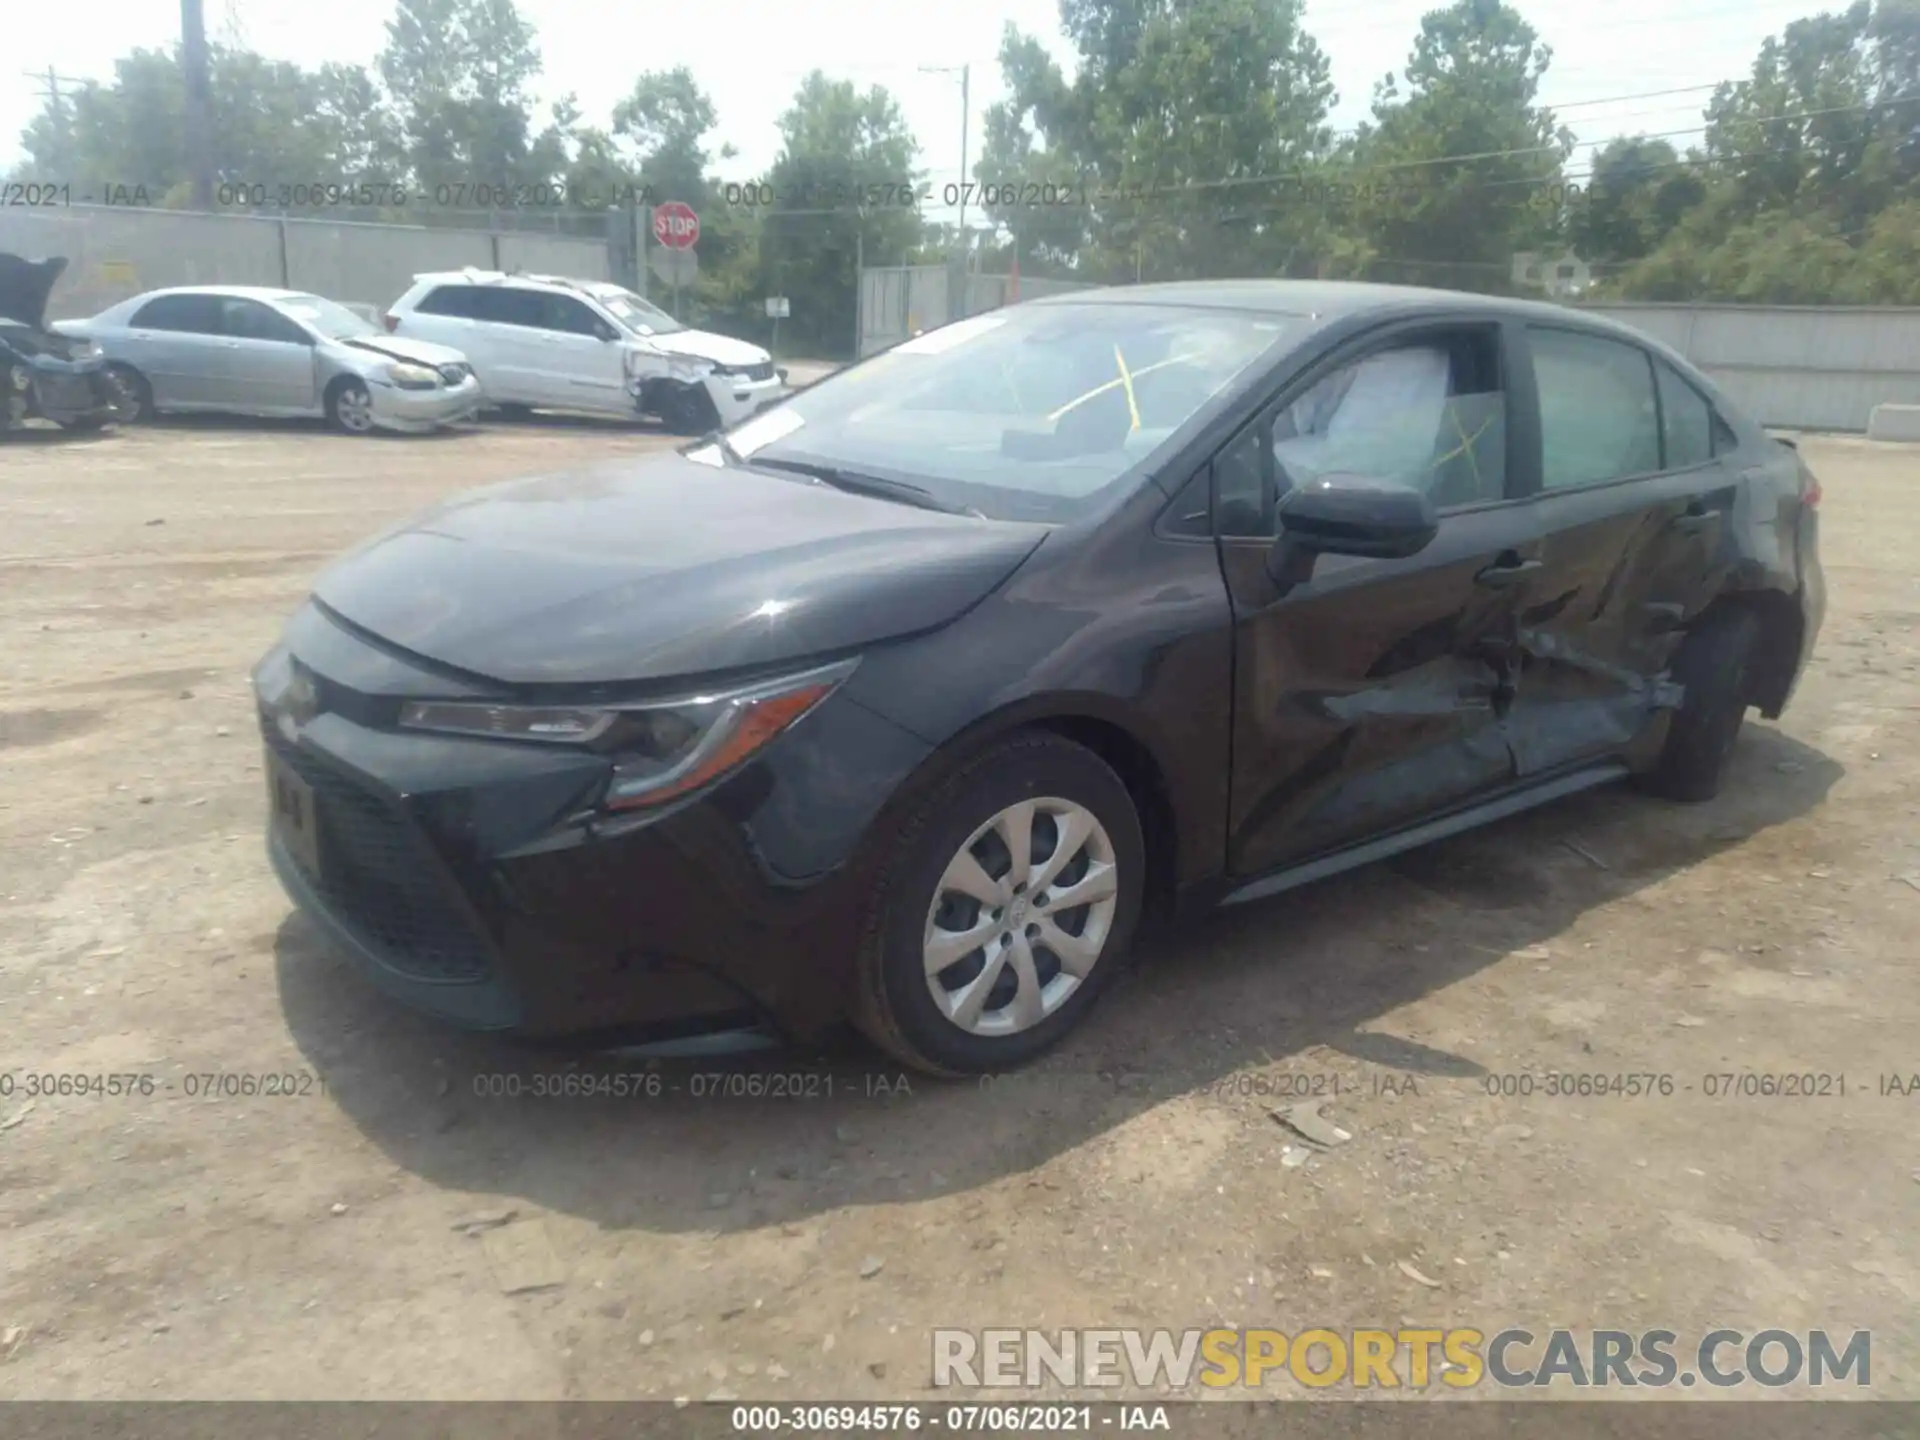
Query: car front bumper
(414, 411)
(477, 881)
(737, 398)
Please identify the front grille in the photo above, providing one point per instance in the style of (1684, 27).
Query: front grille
(380, 880)
(454, 374)
(746, 372)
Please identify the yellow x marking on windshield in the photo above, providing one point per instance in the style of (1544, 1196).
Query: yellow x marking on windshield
(1126, 380)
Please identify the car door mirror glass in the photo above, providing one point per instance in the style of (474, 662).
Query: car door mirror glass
(1348, 514)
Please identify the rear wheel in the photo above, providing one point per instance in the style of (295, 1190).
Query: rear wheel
(1009, 896)
(1715, 666)
(350, 407)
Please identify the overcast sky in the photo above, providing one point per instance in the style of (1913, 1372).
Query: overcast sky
(750, 54)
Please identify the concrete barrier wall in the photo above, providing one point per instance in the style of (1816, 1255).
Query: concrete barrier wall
(114, 252)
(1793, 366)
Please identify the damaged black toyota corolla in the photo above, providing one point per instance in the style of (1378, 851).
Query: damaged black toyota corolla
(903, 701)
(44, 376)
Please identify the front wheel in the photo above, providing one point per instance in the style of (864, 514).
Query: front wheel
(350, 407)
(689, 410)
(1010, 894)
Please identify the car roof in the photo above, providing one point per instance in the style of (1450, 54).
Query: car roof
(512, 278)
(231, 292)
(1308, 299)
(1326, 300)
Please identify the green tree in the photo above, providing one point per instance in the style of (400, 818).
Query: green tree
(274, 124)
(847, 158)
(1185, 128)
(458, 74)
(1461, 160)
(1636, 192)
(666, 119)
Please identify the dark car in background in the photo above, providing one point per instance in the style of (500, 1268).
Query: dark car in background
(45, 376)
(906, 699)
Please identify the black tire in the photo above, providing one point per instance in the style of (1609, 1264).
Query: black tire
(689, 410)
(1715, 666)
(86, 425)
(895, 1007)
(513, 411)
(347, 400)
(139, 394)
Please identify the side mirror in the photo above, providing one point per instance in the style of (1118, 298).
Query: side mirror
(606, 332)
(1353, 515)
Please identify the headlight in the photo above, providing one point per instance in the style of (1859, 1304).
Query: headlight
(412, 377)
(85, 350)
(689, 369)
(660, 751)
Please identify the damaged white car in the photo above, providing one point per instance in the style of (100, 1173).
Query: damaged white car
(545, 342)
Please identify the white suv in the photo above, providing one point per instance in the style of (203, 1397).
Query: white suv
(540, 341)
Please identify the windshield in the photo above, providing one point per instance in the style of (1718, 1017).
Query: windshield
(636, 314)
(332, 320)
(1025, 413)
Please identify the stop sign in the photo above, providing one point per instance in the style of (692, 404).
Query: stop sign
(675, 225)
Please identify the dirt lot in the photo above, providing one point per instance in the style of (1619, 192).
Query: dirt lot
(310, 1247)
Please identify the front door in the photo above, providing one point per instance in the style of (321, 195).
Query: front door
(267, 360)
(1375, 693)
(580, 361)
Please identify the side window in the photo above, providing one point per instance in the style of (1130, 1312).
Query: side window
(1686, 420)
(1428, 413)
(567, 315)
(504, 305)
(189, 314)
(250, 320)
(1597, 413)
(452, 300)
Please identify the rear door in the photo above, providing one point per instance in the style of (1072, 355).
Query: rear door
(580, 366)
(174, 340)
(1375, 693)
(268, 361)
(507, 322)
(1635, 498)
(445, 315)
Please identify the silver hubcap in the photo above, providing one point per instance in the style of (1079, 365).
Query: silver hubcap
(355, 409)
(1020, 916)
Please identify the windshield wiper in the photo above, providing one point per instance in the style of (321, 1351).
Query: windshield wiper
(857, 484)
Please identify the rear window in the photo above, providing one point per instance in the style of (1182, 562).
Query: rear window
(455, 300)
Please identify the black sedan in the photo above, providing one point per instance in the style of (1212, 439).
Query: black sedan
(905, 701)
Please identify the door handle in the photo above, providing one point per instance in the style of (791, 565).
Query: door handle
(1508, 570)
(1694, 517)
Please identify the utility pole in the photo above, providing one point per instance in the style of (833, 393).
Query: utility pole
(966, 124)
(193, 65)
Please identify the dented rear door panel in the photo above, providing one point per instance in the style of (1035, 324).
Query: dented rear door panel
(1625, 567)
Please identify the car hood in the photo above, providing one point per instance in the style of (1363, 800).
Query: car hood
(400, 347)
(664, 569)
(704, 345)
(25, 286)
